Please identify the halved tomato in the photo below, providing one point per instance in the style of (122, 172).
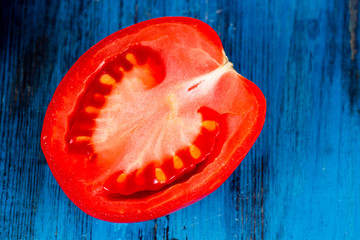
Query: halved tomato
(149, 120)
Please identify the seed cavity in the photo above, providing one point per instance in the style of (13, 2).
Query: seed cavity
(194, 151)
(163, 172)
(160, 175)
(177, 162)
(106, 79)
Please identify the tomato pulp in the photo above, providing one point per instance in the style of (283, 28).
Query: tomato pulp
(150, 120)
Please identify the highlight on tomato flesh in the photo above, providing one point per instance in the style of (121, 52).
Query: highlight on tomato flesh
(149, 120)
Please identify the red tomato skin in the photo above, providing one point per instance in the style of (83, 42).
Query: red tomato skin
(160, 203)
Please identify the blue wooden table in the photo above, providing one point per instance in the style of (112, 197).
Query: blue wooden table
(301, 180)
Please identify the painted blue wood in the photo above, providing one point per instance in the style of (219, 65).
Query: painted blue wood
(301, 180)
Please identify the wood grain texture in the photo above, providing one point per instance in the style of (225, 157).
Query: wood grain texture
(301, 180)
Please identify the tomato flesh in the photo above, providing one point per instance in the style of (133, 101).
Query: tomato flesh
(150, 120)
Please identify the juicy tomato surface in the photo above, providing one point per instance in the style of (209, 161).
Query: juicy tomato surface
(150, 120)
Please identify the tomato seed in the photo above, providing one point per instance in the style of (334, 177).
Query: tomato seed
(121, 178)
(91, 110)
(107, 79)
(82, 138)
(194, 151)
(131, 58)
(177, 162)
(160, 175)
(209, 125)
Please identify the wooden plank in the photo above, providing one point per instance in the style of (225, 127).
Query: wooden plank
(301, 179)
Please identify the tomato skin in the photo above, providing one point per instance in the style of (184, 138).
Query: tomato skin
(67, 169)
